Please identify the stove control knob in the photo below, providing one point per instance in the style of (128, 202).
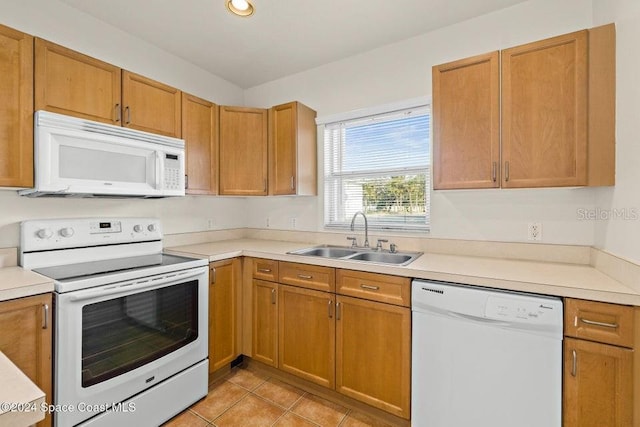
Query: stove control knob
(44, 233)
(66, 232)
(152, 227)
(137, 228)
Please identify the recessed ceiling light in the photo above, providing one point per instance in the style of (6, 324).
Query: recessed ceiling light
(240, 7)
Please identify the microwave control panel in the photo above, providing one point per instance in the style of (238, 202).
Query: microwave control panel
(172, 175)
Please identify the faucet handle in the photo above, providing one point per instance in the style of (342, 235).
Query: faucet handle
(393, 248)
(380, 242)
(353, 241)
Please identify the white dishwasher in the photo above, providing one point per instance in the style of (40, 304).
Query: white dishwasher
(485, 358)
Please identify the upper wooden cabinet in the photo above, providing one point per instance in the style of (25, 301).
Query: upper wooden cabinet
(25, 338)
(150, 106)
(292, 150)
(68, 82)
(558, 115)
(71, 83)
(16, 117)
(243, 151)
(466, 127)
(200, 133)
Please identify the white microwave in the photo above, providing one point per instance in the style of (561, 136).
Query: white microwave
(77, 157)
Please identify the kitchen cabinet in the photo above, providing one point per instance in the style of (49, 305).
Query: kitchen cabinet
(306, 337)
(373, 344)
(150, 106)
(466, 126)
(25, 338)
(16, 98)
(292, 150)
(200, 134)
(243, 151)
(265, 322)
(223, 278)
(601, 366)
(557, 115)
(68, 82)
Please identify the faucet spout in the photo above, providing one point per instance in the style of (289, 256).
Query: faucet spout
(366, 227)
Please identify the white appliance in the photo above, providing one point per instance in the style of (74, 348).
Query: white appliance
(130, 322)
(77, 157)
(485, 358)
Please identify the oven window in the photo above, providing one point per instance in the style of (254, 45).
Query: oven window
(122, 334)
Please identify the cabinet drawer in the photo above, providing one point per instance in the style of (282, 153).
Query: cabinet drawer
(374, 286)
(307, 276)
(265, 269)
(598, 321)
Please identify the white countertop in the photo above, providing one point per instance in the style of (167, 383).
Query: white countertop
(566, 280)
(20, 400)
(16, 282)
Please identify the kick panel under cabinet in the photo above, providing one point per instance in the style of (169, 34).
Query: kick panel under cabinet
(557, 113)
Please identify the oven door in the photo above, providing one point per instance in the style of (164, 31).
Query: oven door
(117, 340)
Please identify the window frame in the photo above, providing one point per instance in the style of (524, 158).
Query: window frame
(329, 173)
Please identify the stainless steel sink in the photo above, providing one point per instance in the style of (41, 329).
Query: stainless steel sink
(358, 254)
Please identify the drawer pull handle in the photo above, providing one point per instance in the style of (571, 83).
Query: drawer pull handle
(305, 276)
(603, 324)
(264, 270)
(574, 364)
(370, 287)
(273, 296)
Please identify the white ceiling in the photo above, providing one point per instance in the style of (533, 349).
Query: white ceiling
(283, 37)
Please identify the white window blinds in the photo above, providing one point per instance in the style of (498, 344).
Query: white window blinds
(379, 165)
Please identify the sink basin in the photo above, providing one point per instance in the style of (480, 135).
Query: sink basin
(326, 252)
(384, 257)
(358, 254)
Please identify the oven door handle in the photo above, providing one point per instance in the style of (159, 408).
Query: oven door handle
(132, 286)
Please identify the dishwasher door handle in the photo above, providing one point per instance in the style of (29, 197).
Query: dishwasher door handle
(477, 319)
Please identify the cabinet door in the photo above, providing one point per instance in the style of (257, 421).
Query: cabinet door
(25, 338)
(68, 82)
(265, 322)
(16, 117)
(200, 133)
(466, 123)
(598, 384)
(222, 312)
(373, 344)
(150, 106)
(544, 113)
(292, 150)
(243, 151)
(306, 337)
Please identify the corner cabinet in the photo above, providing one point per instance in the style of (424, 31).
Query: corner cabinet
(243, 151)
(16, 98)
(601, 364)
(25, 338)
(292, 150)
(200, 134)
(223, 279)
(557, 115)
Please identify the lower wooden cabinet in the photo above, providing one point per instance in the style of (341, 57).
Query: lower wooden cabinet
(598, 384)
(25, 338)
(306, 337)
(223, 276)
(373, 344)
(265, 322)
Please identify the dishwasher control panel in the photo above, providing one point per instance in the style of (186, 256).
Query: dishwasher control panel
(521, 310)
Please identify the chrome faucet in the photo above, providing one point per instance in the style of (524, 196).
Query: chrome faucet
(366, 227)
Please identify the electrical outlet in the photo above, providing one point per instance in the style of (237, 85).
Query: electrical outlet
(268, 222)
(211, 223)
(292, 222)
(534, 231)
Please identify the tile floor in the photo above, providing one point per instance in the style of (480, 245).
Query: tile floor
(245, 398)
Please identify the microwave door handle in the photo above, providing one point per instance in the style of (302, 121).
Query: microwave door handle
(159, 170)
(133, 286)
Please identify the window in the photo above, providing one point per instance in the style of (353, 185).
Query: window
(379, 165)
